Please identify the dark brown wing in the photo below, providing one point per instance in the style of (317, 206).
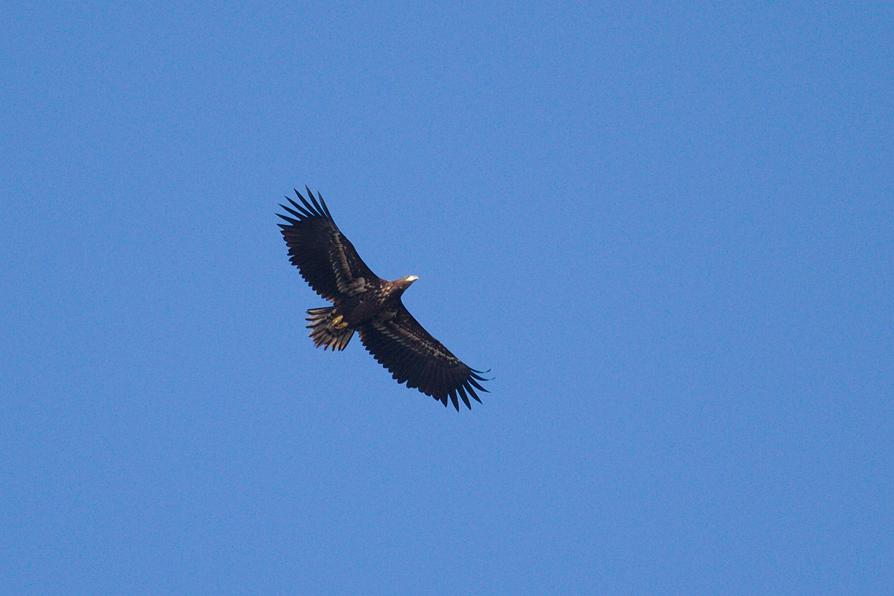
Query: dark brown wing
(326, 259)
(411, 354)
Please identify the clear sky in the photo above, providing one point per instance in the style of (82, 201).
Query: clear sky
(668, 231)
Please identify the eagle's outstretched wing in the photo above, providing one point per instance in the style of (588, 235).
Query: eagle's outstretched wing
(411, 354)
(327, 260)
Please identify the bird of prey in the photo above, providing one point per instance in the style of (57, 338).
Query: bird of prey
(369, 305)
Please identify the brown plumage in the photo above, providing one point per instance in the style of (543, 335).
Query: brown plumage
(365, 303)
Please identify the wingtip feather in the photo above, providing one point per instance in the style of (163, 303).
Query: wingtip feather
(477, 384)
(325, 206)
(472, 393)
(304, 202)
(288, 219)
(304, 212)
(313, 200)
(453, 399)
(462, 394)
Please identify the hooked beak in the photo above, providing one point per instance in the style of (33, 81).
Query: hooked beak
(411, 278)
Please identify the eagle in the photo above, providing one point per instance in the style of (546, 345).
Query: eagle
(371, 306)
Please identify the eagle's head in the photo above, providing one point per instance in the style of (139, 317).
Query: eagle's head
(404, 282)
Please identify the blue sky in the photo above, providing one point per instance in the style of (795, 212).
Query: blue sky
(668, 231)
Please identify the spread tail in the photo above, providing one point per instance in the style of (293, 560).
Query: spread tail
(328, 329)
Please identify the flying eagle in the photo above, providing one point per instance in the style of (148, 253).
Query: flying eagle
(365, 303)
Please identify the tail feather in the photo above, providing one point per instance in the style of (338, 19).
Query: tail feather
(325, 331)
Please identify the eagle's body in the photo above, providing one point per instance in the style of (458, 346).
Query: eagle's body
(367, 304)
(380, 298)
